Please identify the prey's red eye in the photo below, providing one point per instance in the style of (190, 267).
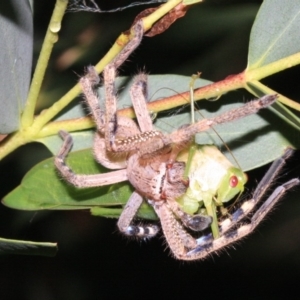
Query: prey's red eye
(233, 181)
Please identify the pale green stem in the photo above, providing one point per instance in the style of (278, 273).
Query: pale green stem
(272, 68)
(48, 114)
(121, 41)
(209, 91)
(159, 13)
(12, 142)
(257, 88)
(59, 105)
(69, 125)
(230, 83)
(266, 90)
(42, 63)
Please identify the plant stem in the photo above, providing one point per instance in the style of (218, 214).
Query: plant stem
(42, 63)
(159, 13)
(12, 142)
(272, 68)
(119, 44)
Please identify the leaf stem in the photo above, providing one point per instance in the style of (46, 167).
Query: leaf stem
(12, 142)
(50, 39)
(272, 68)
(255, 86)
(230, 83)
(159, 13)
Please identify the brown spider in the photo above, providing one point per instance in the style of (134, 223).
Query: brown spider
(148, 161)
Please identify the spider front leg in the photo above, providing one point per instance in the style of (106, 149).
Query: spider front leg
(81, 181)
(185, 134)
(149, 142)
(138, 95)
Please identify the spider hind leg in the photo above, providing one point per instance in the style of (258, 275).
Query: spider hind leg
(130, 210)
(232, 229)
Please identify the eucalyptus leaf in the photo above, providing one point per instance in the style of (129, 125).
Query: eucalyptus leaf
(42, 187)
(275, 32)
(16, 32)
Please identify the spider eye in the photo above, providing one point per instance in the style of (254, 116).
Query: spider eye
(233, 181)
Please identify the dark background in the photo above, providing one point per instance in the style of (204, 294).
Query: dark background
(94, 261)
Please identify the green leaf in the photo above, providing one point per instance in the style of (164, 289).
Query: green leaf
(27, 248)
(16, 33)
(36, 193)
(274, 32)
(42, 187)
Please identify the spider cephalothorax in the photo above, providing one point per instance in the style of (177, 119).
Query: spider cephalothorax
(149, 162)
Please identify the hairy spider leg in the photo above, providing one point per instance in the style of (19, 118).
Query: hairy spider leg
(83, 180)
(128, 214)
(110, 74)
(207, 245)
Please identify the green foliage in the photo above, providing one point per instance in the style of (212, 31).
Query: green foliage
(275, 33)
(54, 193)
(16, 31)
